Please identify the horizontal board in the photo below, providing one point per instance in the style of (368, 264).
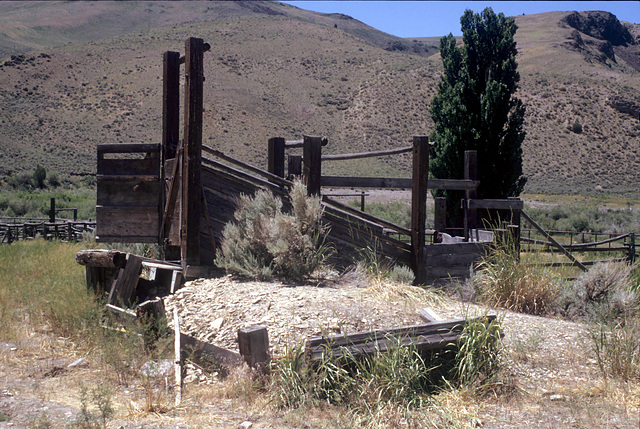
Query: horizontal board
(456, 248)
(128, 192)
(497, 204)
(365, 182)
(118, 221)
(147, 166)
(444, 272)
(128, 148)
(447, 260)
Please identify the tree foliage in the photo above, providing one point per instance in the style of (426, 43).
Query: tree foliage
(475, 108)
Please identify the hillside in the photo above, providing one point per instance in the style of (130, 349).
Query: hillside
(275, 70)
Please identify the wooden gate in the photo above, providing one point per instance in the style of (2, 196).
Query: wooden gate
(129, 193)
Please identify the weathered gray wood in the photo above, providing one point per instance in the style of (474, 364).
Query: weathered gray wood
(205, 354)
(113, 191)
(431, 336)
(177, 356)
(372, 154)
(290, 144)
(440, 214)
(101, 258)
(470, 173)
(127, 224)
(366, 216)
(124, 285)
(265, 174)
(120, 315)
(129, 167)
(253, 342)
(429, 316)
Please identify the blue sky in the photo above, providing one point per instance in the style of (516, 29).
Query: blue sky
(438, 18)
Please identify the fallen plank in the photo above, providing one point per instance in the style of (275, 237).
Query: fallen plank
(427, 337)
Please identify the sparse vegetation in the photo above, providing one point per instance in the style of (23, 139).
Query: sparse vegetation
(265, 242)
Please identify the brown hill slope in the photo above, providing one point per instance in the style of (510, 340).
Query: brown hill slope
(275, 74)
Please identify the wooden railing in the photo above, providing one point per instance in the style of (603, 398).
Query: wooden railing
(15, 229)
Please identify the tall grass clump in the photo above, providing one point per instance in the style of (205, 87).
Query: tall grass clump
(265, 242)
(43, 285)
(503, 281)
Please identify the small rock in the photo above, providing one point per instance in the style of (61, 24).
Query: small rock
(79, 363)
(160, 368)
(557, 398)
(245, 425)
(217, 324)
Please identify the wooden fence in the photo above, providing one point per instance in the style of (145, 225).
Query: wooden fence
(14, 229)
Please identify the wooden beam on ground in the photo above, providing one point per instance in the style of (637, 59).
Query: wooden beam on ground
(433, 336)
(429, 316)
(553, 241)
(102, 258)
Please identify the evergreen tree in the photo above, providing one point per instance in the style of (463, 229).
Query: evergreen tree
(475, 109)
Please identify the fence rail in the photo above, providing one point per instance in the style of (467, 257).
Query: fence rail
(14, 229)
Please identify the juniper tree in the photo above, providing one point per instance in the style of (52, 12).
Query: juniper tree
(475, 109)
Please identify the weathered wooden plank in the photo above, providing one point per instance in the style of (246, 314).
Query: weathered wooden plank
(365, 182)
(457, 271)
(105, 148)
(125, 284)
(420, 174)
(132, 167)
(101, 258)
(431, 336)
(253, 342)
(455, 248)
(372, 154)
(119, 192)
(497, 204)
(346, 208)
(552, 240)
(265, 174)
(127, 221)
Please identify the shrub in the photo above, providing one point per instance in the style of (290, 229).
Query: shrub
(264, 242)
(605, 292)
(504, 282)
(576, 127)
(39, 176)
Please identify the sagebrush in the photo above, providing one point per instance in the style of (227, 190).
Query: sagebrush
(266, 242)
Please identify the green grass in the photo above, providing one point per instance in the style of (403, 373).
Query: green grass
(43, 286)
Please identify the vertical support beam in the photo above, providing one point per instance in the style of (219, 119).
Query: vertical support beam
(191, 173)
(275, 160)
(362, 196)
(631, 257)
(170, 104)
(470, 173)
(312, 160)
(52, 211)
(170, 140)
(419, 206)
(294, 166)
(440, 214)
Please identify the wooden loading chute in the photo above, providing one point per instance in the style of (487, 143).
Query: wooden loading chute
(180, 194)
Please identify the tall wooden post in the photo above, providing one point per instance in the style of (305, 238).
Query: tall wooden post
(170, 139)
(312, 160)
(419, 206)
(275, 159)
(440, 214)
(294, 166)
(52, 211)
(470, 173)
(170, 104)
(191, 176)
